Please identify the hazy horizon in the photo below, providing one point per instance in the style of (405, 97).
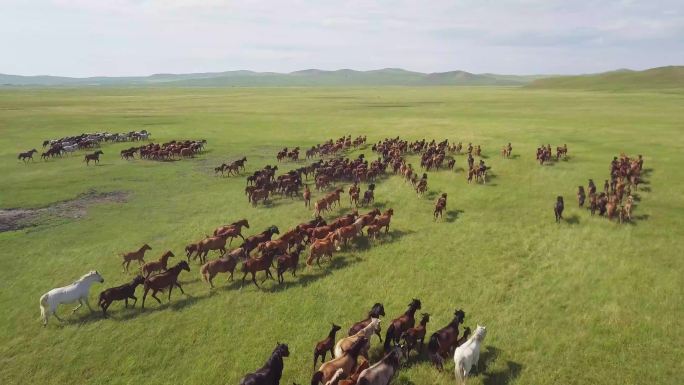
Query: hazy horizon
(84, 38)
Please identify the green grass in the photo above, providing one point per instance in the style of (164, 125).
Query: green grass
(590, 302)
(656, 79)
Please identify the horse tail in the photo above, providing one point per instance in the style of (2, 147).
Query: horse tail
(460, 371)
(389, 336)
(317, 378)
(433, 345)
(43, 307)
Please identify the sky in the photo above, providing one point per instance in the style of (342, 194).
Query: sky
(142, 37)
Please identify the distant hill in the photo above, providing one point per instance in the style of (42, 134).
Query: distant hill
(304, 78)
(671, 77)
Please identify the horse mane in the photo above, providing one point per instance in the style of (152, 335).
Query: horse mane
(86, 275)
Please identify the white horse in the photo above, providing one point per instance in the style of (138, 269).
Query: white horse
(77, 291)
(467, 355)
(72, 148)
(345, 343)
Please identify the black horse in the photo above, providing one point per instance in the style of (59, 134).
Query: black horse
(123, 292)
(558, 209)
(270, 373)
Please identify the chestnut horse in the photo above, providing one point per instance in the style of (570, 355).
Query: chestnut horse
(320, 248)
(167, 279)
(211, 243)
(347, 363)
(413, 335)
(159, 265)
(134, 256)
(232, 230)
(444, 340)
(384, 219)
(224, 264)
(255, 265)
(402, 323)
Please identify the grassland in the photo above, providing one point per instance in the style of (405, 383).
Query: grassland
(584, 302)
(654, 79)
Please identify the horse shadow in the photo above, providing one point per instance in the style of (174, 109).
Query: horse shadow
(515, 156)
(312, 276)
(452, 215)
(431, 194)
(573, 220)
(384, 238)
(483, 156)
(645, 188)
(500, 376)
(646, 171)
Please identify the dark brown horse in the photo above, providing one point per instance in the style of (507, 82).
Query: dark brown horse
(288, 261)
(375, 312)
(255, 265)
(167, 279)
(272, 371)
(347, 362)
(413, 335)
(443, 341)
(25, 156)
(325, 346)
(402, 323)
(95, 157)
(232, 230)
(123, 292)
(252, 242)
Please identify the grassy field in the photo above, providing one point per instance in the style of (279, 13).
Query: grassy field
(583, 302)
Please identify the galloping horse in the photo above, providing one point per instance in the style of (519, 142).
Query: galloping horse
(415, 334)
(467, 355)
(558, 209)
(272, 371)
(375, 312)
(134, 256)
(159, 265)
(366, 333)
(322, 347)
(224, 264)
(252, 242)
(167, 279)
(347, 363)
(402, 323)
(232, 230)
(95, 157)
(76, 292)
(123, 292)
(382, 372)
(25, 156)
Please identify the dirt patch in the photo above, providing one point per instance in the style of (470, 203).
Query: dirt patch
(16, 219)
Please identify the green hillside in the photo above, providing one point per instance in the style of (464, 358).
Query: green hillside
(671, 77)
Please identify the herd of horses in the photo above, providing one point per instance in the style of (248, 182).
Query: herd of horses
(70, 144)
(349, 362)
(175, 149)
(232, 168)
(328, 148)
(545, 154)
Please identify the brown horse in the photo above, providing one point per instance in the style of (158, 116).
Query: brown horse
(384, 219)
(253, 241)
(211, 243)
(415, 334)
(325, 346)
(307, 196)
(320, 248)
(444, 340)
(288, 261)
(232, 230)
(375, 312)
(255, 265)
(224, 264)
(134, 256)
(123, 292)
(346, 362)
(167, 279)
(25, 156)
(95, 157)
(402, 323)
(440, 206)
(159, 265)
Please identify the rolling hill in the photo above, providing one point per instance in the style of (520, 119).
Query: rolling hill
(304, 78)
(671, 77)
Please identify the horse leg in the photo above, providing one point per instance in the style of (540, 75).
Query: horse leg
(154, 295)
(126, 302)
(80, 303)
(88, 304)
(243, 281)
(180, 287)
(254, 279)
(144, 296)
(135, 300)
(170, 290)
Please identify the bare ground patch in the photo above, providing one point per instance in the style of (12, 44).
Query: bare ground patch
(16, 219)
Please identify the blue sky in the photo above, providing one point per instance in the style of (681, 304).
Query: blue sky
(140, 37)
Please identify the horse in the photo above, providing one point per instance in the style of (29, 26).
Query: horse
(232, 230)
(307, 196)
(77, 291)
(123, 292)
(255, 265)
(288, 261)
(226, 263)
(164, 280)
(415, 334)
(272, 371)
(95, 157)
(581, 196)
(211, 243)
(443, 340)
(159, 265)
(467, 355)
(382, 372)
(558, 209)
(251, 242)
(346, 343)
(384, 219)
(25, 156)
(321, 247)
(325, 345)
(134, 256)
(440, 206)
(375, 312)
(402, 323)
(346, 362)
